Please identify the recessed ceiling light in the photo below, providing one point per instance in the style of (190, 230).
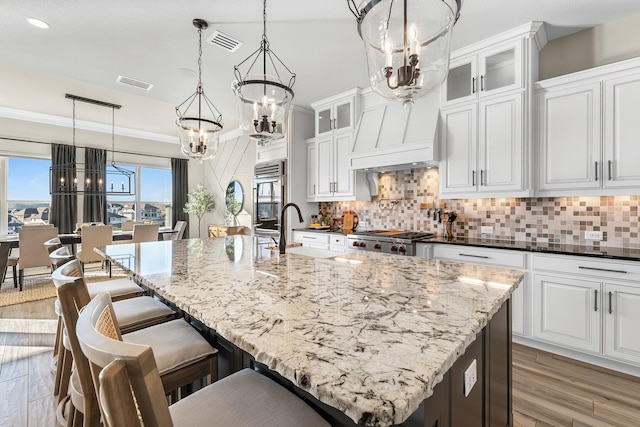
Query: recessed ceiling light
(38, 23)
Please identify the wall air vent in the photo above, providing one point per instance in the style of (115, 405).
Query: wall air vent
(133, 82)
(224, 41)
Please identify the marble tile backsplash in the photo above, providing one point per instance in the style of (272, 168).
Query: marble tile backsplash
(561, 220)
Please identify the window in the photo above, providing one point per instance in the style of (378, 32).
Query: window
(151, 203)
(28, 198)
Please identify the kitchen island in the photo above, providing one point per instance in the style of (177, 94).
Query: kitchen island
(370, 335)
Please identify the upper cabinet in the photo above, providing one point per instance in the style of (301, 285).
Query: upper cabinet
(330, 177)
(488, 72)
(587, 127)
(485, 128)
(337, 113)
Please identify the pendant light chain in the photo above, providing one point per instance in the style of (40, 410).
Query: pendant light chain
(200, 58)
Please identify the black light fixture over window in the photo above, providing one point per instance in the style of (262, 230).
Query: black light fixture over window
(199, 132)
(70, 178)
(265, 94)
(407, 43)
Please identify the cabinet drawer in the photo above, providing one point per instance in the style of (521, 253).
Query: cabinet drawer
(314, 238)
(337, 240)
(497, 257)
(623, 270)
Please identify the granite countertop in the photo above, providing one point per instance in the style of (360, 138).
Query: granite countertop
(369, 334)
(593, 250)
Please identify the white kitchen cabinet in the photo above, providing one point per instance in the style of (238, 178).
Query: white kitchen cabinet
(621, 131)
(489, 71)
(569, 138)
(588, 304)
(334, 179)
(334, 242)
(495, 257)
(566, 312)
(621, 310)
(311, 239)
(337, 113)
(483, 148)
(312, 170)
(587, 131)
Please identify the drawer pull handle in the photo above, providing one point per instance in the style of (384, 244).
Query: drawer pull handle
(475, 256)
(602, 269)
(595, 301)
(596, 171)
(610, 296)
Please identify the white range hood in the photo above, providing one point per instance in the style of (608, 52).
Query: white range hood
(391, 137)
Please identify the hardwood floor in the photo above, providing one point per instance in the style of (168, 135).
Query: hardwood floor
(548, 390)
(552, 390)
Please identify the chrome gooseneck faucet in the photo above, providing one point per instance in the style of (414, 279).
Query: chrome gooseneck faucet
(283, 241)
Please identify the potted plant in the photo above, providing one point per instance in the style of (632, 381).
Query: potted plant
(199, 202)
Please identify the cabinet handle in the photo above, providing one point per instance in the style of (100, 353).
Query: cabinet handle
(314, 189)
(609, 167)
(473, 178)
(595, 301)
(334, 123)
(474, 256)
(482, 83)
(473, 85)
(610, 297)
(481, 176)
(596, 171)
(602, 269)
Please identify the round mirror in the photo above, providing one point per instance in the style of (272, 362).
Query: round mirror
(234, 198)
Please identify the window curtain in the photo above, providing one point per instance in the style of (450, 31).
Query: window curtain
(64, 207)
(179, 190)
(95, 175)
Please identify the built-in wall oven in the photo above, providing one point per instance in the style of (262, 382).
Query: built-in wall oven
(269, 196)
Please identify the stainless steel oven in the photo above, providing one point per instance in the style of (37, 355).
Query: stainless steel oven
(270, 195)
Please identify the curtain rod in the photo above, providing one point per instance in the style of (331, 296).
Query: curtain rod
(117, 151)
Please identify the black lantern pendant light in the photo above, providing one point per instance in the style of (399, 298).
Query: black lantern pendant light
(264, 95)
(407, 44)
(199, 129)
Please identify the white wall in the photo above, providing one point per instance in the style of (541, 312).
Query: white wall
(604, 44)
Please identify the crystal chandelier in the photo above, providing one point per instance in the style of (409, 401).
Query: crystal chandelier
(199, 132)
(264, 96)
(76, 178)
(407, 43)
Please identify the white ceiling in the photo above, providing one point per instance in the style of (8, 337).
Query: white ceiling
(91, 42)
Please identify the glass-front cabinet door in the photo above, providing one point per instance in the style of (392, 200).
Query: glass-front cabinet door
(461, 82)
(501, 68)
(324, 120)
(485, 73)
(343, 115)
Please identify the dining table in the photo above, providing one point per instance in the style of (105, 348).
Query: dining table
(12, 241)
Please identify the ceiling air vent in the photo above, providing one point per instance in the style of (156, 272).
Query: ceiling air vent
(224, 41)
(133, 82)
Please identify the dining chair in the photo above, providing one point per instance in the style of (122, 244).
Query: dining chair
(132, 314)
(93, 237)
(32, 251)
(145, 233)
(178, 231)
(12, 262)
(128, 225)
(128, 382)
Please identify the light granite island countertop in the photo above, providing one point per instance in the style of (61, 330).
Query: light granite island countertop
(366, 333)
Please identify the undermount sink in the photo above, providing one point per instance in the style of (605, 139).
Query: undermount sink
(311, 252)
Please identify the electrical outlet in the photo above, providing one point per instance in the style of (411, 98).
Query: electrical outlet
(486, 229)
(593, 235)
(470, 377)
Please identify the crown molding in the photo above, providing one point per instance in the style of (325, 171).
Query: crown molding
(49, 119)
